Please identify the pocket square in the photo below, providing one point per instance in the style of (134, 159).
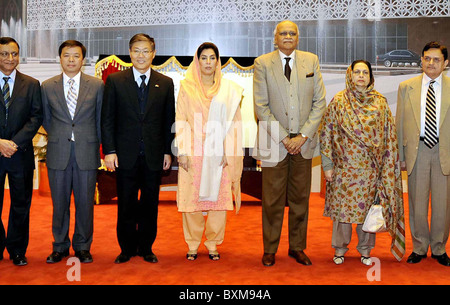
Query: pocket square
(156, 86)
(310, 74)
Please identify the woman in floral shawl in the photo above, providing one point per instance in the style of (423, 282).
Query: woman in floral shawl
(358, 145)
(210, 156)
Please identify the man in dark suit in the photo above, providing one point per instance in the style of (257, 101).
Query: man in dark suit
(20, 119)
(72, 109)
(137, 116)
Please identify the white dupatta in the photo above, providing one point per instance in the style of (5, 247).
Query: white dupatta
(222, 110)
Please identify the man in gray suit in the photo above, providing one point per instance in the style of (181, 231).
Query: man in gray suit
(423, 128)
(289, 98)
(72, 107)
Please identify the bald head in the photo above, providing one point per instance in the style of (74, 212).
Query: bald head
(286, 36)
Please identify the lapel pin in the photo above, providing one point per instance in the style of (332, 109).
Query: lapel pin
(156, 86)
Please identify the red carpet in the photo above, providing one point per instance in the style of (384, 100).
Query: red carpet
(240, 262)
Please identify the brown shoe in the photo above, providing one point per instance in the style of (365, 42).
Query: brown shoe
(300, 257)
(268, 259)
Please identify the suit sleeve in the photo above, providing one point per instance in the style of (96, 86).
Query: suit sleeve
(98, 110)
(399, 119)
(319, 103)
(169, 119)
(108, 117)
(46, 109)
(25, 135)
(261, 102)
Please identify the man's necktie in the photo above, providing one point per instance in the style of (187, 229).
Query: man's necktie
(431, 138)
(6, 95)
(142, 87)
(287, 69)
(142, 93)
(5, 91)
(72, 98)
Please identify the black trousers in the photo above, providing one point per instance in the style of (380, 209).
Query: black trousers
(21, 191)
(137, 213)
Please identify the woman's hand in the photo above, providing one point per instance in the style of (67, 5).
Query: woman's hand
(329, 175)
(184, 162)
(224, 162)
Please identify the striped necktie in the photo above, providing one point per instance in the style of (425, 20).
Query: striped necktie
(6, 96)
(72, 98)
(430, 138)
(5, 91)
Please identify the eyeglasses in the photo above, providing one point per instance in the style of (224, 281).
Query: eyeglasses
(7, 54)
(284, 34)
(138, 52)
(436, 60)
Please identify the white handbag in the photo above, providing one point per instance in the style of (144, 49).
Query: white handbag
(374, 222)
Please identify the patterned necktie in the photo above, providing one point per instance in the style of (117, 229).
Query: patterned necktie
(142, 87)
(5, 91)
(431, 138)
(287, 69)
(6, 96)
(72, 98)
(142, 93)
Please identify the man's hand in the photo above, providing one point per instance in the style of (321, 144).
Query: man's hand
(111, 162)
(7, 148)
(294, 145)
(167, 162)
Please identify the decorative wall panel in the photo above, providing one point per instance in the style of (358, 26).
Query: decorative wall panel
(72, 14)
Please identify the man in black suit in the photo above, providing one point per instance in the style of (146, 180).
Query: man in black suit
(137, 116)
(20, 119)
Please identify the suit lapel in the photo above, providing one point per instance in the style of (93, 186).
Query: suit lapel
(301, 74)
(152, 87)
(414, 97)
(59, 92)
(18, 87)
(445, 100)
(277, 67)
(83, 91)
(130, 87)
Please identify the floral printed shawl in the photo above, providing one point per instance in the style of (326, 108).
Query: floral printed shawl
(366, 118)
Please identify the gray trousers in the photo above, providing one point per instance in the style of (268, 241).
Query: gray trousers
(342, 235)
(82, 183)
(425, 178)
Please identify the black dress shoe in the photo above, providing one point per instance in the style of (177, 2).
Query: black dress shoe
(84, 256)
(415, 258)
(122, 258)
(300, 257)
(151, 258)
(442, 259)
(56, 256)
(19, 260)
(268, 259)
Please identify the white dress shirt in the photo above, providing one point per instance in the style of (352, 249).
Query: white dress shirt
(76, 84)
(283, 60)
(137, 76)
(11, 81)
